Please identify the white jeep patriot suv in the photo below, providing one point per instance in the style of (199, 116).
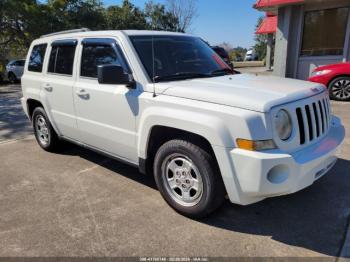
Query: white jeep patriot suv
(167, 103)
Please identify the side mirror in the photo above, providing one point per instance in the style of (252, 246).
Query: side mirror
(114, 74)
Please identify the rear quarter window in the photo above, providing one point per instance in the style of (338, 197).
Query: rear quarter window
(36, 58)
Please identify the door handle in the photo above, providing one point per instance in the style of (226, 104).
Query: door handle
(82, 93)
(48, 88)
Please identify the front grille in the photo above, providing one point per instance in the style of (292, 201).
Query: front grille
(313, 120)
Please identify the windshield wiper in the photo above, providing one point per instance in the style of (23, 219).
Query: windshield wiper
(222, 71)
(180, 76)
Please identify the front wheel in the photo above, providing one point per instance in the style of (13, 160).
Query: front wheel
(188, 178)
(339, 89)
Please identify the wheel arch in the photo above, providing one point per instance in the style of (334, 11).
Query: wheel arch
(210, 128)
(34, 103)
(160, 134)
(335, 77)
(31, 105)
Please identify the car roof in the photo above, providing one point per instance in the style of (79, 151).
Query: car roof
(63, 35)
(152, 32)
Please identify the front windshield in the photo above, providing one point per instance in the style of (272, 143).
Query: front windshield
(178, 57)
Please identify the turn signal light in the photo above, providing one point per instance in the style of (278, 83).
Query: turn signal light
(258, 145)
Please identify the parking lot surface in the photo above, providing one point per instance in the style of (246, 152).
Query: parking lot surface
(78, 203)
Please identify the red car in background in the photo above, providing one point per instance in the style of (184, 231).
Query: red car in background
(336, 77)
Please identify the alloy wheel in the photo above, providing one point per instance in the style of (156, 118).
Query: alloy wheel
(341, 89)
(183, 180)
(42, 130)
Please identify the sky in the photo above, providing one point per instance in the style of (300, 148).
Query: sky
(217, 21)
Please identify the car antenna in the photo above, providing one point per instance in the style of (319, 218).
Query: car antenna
(153, 68)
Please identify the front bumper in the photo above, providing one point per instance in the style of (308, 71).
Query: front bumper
(266, 174)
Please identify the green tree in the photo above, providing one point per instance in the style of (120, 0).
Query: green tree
(260, 42)
(22, 21)
(160, 19)
(237, 53)
(126, 16)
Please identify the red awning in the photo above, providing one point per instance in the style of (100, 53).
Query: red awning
(271, 3)
(268, 26)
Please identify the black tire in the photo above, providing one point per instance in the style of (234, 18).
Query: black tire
(52, 138)
(213, 190)
(12, 78)
(339, 88)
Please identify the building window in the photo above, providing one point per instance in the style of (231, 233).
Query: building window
(324, 32)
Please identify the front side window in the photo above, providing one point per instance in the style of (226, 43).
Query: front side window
(95, 55)
(62, 59)
(171, 57)
(36, 59)
(324, 32)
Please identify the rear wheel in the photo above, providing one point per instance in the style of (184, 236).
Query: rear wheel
(339, 89)
(188, 178)
(12, 78)
(44, 133)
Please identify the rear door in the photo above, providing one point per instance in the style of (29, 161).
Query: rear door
(106, 113)
(57, 87)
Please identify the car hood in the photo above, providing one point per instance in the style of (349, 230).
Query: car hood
(332, 66)
(248, 91)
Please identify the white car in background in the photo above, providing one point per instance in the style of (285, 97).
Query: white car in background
(250, 56)
(14, 70)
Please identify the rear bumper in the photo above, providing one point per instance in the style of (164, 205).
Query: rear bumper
(267, 174)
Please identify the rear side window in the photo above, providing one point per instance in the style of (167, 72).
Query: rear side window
(94, 55)
(36, 59)
(62, 57)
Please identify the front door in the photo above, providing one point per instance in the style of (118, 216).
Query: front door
(106, 113)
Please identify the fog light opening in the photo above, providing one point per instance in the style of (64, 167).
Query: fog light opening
(278, 174)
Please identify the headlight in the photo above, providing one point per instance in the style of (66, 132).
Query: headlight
(320, 73)
(283, 124)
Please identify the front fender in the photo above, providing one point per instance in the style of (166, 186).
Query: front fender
(207, 126)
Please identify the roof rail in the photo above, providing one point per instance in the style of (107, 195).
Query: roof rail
(84, 29)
